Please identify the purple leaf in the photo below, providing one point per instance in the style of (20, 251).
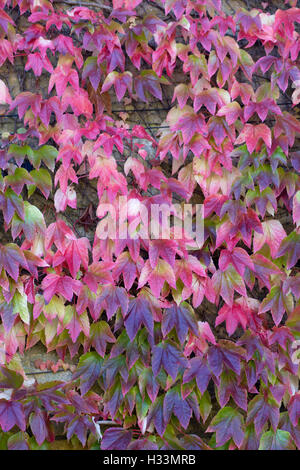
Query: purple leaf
(116, 439)
(11, 414)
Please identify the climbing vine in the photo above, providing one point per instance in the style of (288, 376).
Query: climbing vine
(170, 342)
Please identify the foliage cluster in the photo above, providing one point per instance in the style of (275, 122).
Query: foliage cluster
(134, 311)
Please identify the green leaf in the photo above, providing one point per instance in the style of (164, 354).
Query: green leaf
(17, 180)
(18, 441)
(228, 424)
(46, 154)
(10, 378)
(42, 180)
(20, 306)
(20, 152)
(279, 440)
(205, 405)
(88, 370)
(33, 222)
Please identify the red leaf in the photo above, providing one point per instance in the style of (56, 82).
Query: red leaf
(56, 284)
(76, 253)
(157, 277)
(254, 134)
(5, 97)
(233, 316)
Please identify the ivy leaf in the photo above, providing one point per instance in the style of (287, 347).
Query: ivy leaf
(114, 366)
(114, 398)
(278, 302)
(262, 409)
(17, 180)
(225, 354)
(251, 440)
(228, 424)
(78, 100)
(56, 284)
(38, 426)
(199, 370)
(181, 93)
(111, 298)
(99, 273)
(190, 124)
(36, 62)
(129, 268)
(226, 282)
(139, 312)
(11, 258)
(11, 414)
(10, 378)
(168, 356)
(32, 224)
(254, 134)
(116, 439)
(182, 318)
(7, 315)
(20, 306)
(61, 76)
(92, 72)
(148, 382)
(286, 425)
(156, 415)
(88, 370)
(47, 154)
(276, 440)
(229, 387)
(294, 409)
(194, 442)
(76, 323)
(27, 100)
(264, 268)
(121, 82)
(210, 99)
(19, 152)
(238, 257)
(79, 426)
(232, 111)
(18, 441)
(100, 335)
(148, 81)
(174, 403)
(56, 233)
(42, 180)
(5, 97)
(76, 253)
(157, 277)
(233, 316)
(10, 203)
(273, 234)
(290, 245)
